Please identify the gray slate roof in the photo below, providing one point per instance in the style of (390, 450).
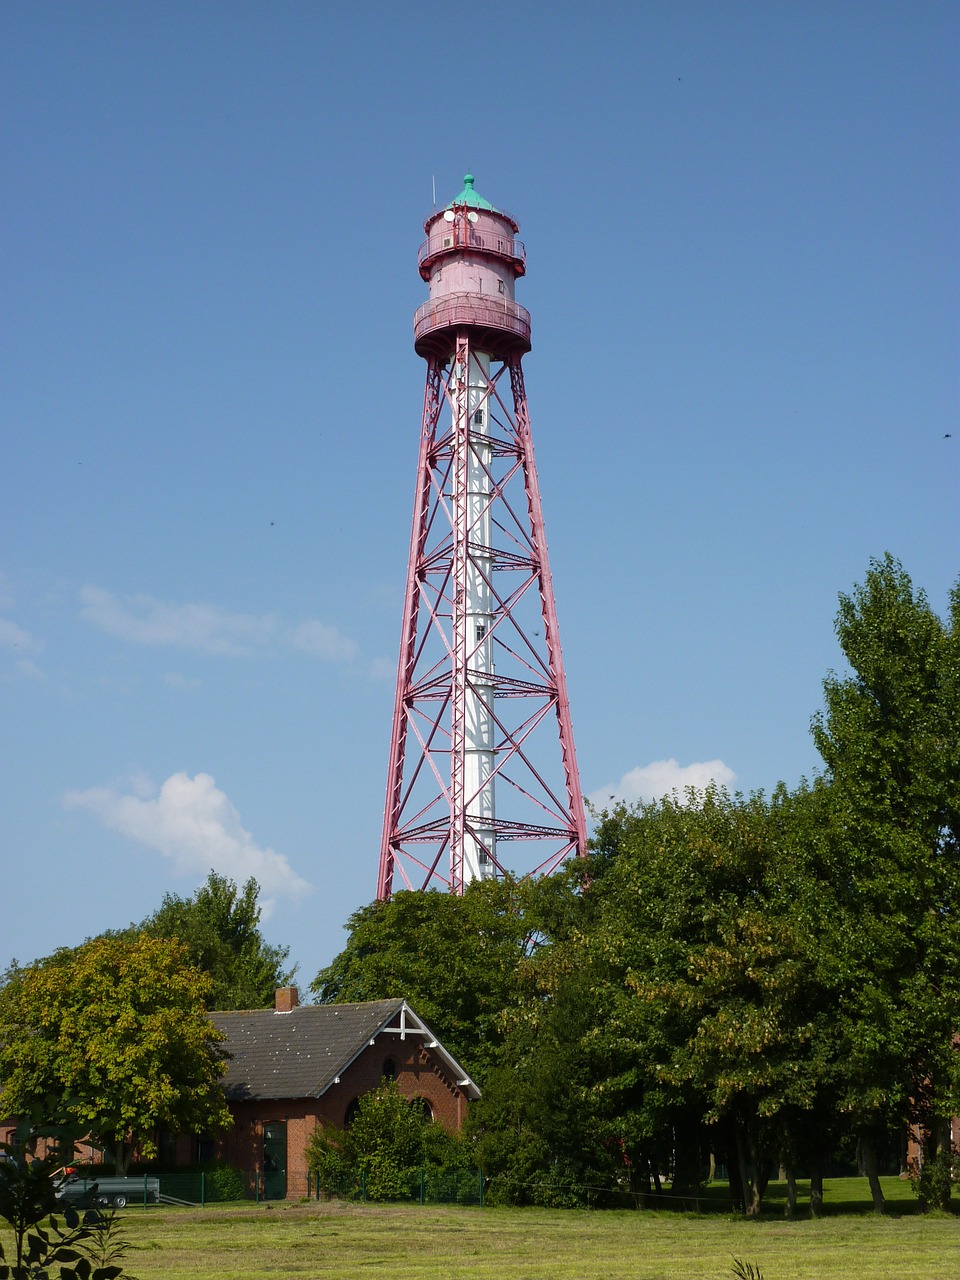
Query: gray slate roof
(299, 1054)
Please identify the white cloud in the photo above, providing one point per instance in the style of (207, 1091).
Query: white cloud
(193, 823)
(14, 637)
(382, 669)
(323, 642)
(177, 680)
(207, 628)
(662, 778)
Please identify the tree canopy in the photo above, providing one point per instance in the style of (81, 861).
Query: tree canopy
(454, 958)
(114, 1036)
(220, 928)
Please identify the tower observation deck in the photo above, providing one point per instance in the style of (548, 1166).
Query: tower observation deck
(482, 778)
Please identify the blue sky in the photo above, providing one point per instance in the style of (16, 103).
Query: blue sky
(740, 222)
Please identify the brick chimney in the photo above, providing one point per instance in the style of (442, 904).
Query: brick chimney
(286, 999)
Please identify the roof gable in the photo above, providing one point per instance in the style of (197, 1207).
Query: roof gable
(300, 1054)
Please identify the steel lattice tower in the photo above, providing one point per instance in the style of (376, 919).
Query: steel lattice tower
(482, 778)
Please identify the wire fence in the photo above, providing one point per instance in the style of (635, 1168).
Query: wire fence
(411, 1186)
(198, 1187)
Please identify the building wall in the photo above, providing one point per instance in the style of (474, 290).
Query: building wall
(418, 1074)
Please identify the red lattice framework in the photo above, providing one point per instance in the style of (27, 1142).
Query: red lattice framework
(539, 818)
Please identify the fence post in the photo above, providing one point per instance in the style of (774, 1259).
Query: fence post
(421, 1186)
(203, 1189)
(480, 1181)
(363, 1186)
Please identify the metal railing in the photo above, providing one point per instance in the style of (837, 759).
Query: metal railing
(471, 308)
(451, 238)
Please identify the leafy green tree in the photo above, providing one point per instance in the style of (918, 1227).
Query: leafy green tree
(690, 1006)
(454, 958)
(116, 1034)
(387, 1143)
(890, 737)
(220, 927)
(538, 1131)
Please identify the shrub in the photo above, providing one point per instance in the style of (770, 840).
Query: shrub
(933, 1182)
(381, 1155)
(329, 1160)
(223, 1182)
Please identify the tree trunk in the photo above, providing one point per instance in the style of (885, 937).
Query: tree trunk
(752, 1192)
(945, 1151)
(868, 1154)
(735, 1176)
(761, 1169)
(816, 1187)
(687, 1133)
(790, 1208)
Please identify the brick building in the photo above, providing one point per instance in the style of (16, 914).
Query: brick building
(295, 1065)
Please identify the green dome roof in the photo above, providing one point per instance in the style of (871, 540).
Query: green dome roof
(469, 197)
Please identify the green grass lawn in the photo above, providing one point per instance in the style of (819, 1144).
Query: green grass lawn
(407, 1242)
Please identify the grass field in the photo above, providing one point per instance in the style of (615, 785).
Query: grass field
(407, 1242)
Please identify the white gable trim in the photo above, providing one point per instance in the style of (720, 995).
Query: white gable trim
(409, 1023)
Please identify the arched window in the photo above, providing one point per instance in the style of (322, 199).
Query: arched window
(389, 1069)
(351, 1113)
(422, 1107)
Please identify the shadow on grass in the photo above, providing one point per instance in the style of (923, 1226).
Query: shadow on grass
(842, 1197)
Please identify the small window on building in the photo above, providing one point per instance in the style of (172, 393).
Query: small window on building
(478, 418)
(422, 1108)
(205, 1149)
(389, 1069)
(501, 286)
(481, 630)
(351, 1113)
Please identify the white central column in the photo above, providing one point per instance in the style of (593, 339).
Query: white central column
(479, 754)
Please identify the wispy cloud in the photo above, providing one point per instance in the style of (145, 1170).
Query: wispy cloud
(192, 822)
(662, 778)
(177, 680)
(382, 669)
(14, 637)
(321, 641)
(207, 628)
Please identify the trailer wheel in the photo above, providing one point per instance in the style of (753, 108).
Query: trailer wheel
(120, 1202)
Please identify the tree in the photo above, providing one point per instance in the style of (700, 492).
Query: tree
(115, 1035)
(890, 738)
(454, 958)
(689, 1007)
(389, 1140)
(540, 1130)
(220, 927)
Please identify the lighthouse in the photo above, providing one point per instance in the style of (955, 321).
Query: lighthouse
(482, 776)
